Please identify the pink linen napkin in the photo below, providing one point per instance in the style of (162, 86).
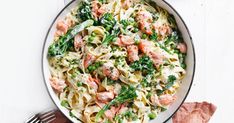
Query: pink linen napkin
(194, 112)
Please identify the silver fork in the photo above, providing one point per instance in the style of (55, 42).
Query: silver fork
(44, 117)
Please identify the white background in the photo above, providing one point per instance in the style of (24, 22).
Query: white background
(23, 26)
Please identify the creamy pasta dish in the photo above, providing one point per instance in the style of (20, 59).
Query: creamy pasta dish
(116, 61)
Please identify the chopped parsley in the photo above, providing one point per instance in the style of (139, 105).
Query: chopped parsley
(108, 21)
(174, 37)
(84, 12)
(130, 115)
(110, 81)
(170, 81)
(144, 64)
(126, 23)
(154, 36)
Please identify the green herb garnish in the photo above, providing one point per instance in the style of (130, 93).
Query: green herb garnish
(111, 37)
(130, 115)
(84, 12)
(171, 80)
(144, 64)
(108, 21)
(65, 42)
(127, 94)
(154, 36)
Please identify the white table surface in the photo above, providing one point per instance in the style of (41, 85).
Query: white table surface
(23, 26)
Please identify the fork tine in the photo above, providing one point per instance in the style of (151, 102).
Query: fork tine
(43, 115)
(48, 119)
(38, 121)
(32, 119)
(35, 120)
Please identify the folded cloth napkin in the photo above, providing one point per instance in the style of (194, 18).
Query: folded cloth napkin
(189, 112)
(194, 112)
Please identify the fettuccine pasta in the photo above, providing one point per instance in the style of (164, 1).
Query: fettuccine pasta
(117, 61)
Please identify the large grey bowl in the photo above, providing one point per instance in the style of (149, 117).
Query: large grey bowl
(183, 90)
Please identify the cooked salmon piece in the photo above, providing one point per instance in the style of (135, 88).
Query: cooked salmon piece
(95, 7)
(163, 30)
(110, 114)
(127, 40)
(156, 58)
(62, 28)
(57, 84)
(145, 27)
(101, 10)
(182, 47)
(89, 59)
(91, 82)
(166, 99)
(118, 42)
(110, 71)
(105, 96)
(122, 109)
(123, 40)
(132, 53)
(146, 47)
(78, 42)
(144, 16)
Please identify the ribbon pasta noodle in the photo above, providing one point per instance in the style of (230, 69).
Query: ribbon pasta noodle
(116, 61)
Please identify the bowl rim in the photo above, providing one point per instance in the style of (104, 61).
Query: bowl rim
(170, 6)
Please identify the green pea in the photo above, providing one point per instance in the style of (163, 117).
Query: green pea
(148, 95)
(144, 36)
(180, 55)
(108, 28)
(183, 65)
(71, 114)
(91, 38)
(93, 34)
(137, 42)
(65, 103)
(79, 84)
(91, 68)
(152, 115)
(136, 30)
(176, 51)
